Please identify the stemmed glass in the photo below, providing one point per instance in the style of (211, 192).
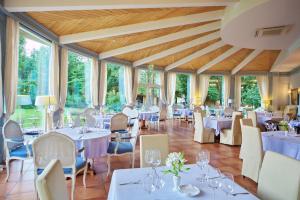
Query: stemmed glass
(153, 158)
(202, 160)
(214, 183)
(227, 183)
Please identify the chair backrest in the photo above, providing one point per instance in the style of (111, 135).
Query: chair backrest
(228, 111)
(90, 120)
(236, 127)
(199, 127)
(119, 122)
(278, 114)
(252, 115)
(134, 132)
(12, 130)
(252, 152)
(130, 112)
(89, 111)
(51, 146)
(157, 141)
(279, 178)
(246, 122)
(163, 112)
(51, 184)
(290, 109)
(154, 109)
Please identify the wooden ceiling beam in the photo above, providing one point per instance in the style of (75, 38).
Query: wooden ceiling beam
(59, 5)
(248, 59)
(218, 59)
(160, 40)
(195, 55)
(178, 48)
(141, 27)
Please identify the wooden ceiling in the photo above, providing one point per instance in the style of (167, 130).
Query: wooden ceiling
(72, 22)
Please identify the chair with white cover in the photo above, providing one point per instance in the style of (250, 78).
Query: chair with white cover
(253, 152)
(51, 184)
(202, 134)
(232, 136)
(55, 145)
(150, 142)
(155, 116)
(253, 116)
(123, 145)
(279, 178)
(244, 122)
(14, 145)
(118, 123)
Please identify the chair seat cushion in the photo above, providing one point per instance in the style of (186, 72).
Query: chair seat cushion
(119, 131)
(21, 152)
(80, 163)
(124, 147)
(177, 114)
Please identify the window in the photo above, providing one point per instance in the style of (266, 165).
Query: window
(148, 79)
(79, 73)
(250, 96)
(215, 91)
(115, 90)
(181, 92)
(33, 78)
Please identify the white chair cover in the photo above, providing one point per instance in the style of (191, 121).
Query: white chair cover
(244, 122)
(202, 135)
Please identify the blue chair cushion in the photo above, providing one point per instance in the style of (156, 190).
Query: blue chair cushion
(124, 147)
(21, 151)
(80, 163)
(154, 118)
(119, 131)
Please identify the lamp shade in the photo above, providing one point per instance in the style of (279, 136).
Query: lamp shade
(45, 100)
(23, 100)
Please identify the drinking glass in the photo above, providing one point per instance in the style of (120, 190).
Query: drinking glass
(202, 160)
(153, 158)
(228, 184)
(148, 184)
(215, 182)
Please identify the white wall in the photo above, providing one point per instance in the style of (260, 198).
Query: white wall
(280, 88)
(295, 80)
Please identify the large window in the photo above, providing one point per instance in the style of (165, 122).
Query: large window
(181, 92)
(33, 78)
(115, 90)
(215, 91)
(250, 96)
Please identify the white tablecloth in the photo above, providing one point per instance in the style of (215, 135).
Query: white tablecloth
(95, 141)
(277, 142)
(217, 123)
(145, 115)
(185, 112)
(136, 192)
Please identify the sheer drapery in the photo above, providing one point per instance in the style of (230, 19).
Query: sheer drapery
(1, 94)
(63, 78)
(226, 93)
(171, 92)
(162, 87)
(135, 83)
(54, 71)
(192, 89)
(203, 87)
(94, 87)
(237, 93)
(263, 87)
(11, 65)
(128, 84)
(103, 83)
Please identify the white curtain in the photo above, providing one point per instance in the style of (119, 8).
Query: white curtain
(193, 89)
(171, 92)
(162, 87)
(1, 95)
(63, 78)
(203, 87)
(94, 87)
(263, 87)
(128, 84)
(237, 93)
(135, 84)
(226, 92)
(11, 65)
(103, 83)
(54, 72)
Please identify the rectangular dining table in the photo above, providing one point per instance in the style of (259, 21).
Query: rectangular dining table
(217, 123)
(137, 192)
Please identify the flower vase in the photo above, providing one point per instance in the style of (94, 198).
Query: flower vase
(176, 182)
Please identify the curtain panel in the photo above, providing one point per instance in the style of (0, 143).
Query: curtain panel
(94, 86)
(162, 87)
(11, 65)
(1, 89)
(237, 93)
(135, 83)
(226, 94)
(203, 87)
(128, 84)
(263, 87)
(171, 92)
(192, 89)
(63, 78)
(103, 83)
(54, 71)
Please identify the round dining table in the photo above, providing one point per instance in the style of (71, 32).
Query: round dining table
(145, 115)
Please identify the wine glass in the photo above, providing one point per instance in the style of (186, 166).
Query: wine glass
(227, 183)
(148, 184)
(215, 183)
(202, 160)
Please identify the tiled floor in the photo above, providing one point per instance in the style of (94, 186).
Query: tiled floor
(20, 186)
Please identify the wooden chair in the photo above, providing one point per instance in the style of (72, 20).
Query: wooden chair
(118, 123)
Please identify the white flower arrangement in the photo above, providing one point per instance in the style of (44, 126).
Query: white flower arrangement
(175, 162)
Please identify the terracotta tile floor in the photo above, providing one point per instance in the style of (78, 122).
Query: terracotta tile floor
(20, 186)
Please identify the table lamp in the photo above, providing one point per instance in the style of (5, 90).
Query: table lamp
(45, 101)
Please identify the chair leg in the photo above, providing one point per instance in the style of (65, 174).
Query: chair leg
(73, 186)
(84, 175)
(22, 164)
(133, 158)
(108, 165)
(7, 170)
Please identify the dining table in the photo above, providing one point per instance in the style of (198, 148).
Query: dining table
(217, 123)
(145, 115)
(286, 143)
(120, 190)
